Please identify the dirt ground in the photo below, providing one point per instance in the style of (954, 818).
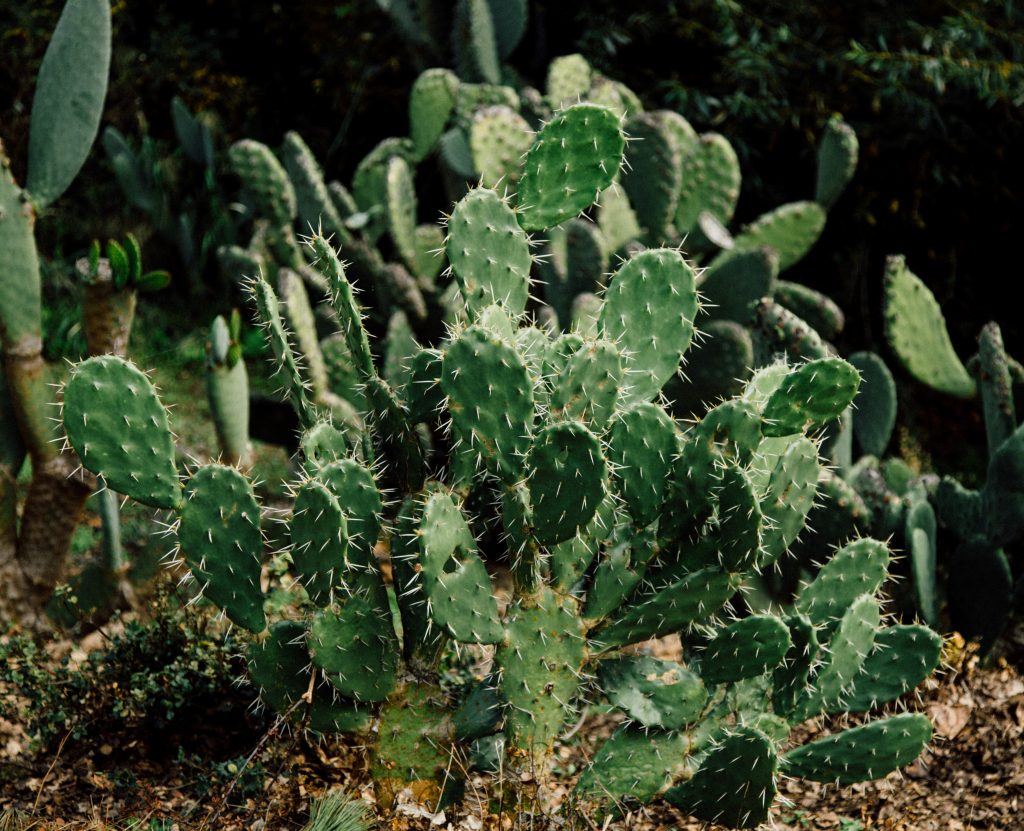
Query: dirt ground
(971, 778)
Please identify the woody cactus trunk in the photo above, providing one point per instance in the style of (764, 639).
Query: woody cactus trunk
(66, 111)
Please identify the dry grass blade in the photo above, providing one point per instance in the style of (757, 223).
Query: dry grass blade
(337, 811)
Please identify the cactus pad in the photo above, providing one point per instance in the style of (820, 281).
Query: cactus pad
(319, 535)
(745, 649)
(654, 693)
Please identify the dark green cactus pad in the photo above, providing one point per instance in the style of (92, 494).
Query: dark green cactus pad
(959, 508)
(791, 230)
(118, 427)
(995, 382)
(778, 332)
(736, 781)
(456, 153)
(874, 413)
(745, 649)
(68, 102)
(279, 667)
(319, 535)
(654, 693)
(648, 312)
(356, 491)
(847, 650)
(498, 139)
(322, 444)
(490, 397)
(620, 571)
(369, 182)
(567, 480)
(430, 255)
(652, 173)
(474, 42)
(489, 253)
(356, 647)
(265, 181)
(716, 369)
(785, 475)
(1003, 496)
(313, 201)
(423, 394)
(920, 534)
(541, 661)
(789, 681)
(734, 286)
(840, 514)
(710, 182)
(487, 754)
(837, 161)
(454, 577)
(616, 218)
(568, 81)
(696, 596)
(219, 535)
(570, 559)
(738, 537)
(870, 751)
(480, 712)
(632, 765)
(902, 657)
(818, 310)
(574, 157)
(419, 635)
(400, 209)
(586, 385)
(916, 331)
(642, 446)
(431, 101)
(810, 396)
(856, 569)
(517, 521)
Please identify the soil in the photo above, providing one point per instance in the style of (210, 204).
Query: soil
(971, 778)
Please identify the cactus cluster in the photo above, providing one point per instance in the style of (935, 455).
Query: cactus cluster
(505, 442)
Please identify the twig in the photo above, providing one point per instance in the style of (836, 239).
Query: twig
(49, 770)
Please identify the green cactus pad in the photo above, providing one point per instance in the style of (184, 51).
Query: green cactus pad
(400, 209)
(620, 571)
(818, 310)
(279, 667)
(694, 597)
(574, 157)
(958, 507)
(856, 569)
(319, 535)
(788, 494)
(920, 532)
(219, 535)
(738, 537)
(789, 681)
(652, 173)
(916, 331)
(745, 649)
(570, 559)
(902, 657)
(568, 82)
(870, 751)
(790, 230)
(735, 784)
(847, 650)
(616, 218)
(474, 41)
(632, 765)
(586, 387)
(777, 331)
(1003, 496)
(715, 370)
(265, 180)
(480, 712)
(490, 397)
(810, 396)
(642, 446)
(710, 182)
(454, 577)
(356, 647)
(118, 427)
(541, 661)
(732, 287)
(489, 252)
(654, 693)
(431, 101)
(567, 480)
(356, 490)
(423, 394)
(874, 413)
(68, 102)
(648, 313)
(837, 161)
(499, 138)
(313, 201)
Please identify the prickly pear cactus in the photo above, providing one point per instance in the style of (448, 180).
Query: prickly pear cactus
(618, 523)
